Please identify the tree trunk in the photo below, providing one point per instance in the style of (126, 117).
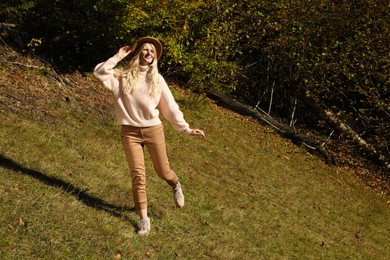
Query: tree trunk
(298, 138)
(286, 131)
(334, 121)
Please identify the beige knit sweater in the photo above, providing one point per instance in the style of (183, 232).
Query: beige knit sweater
(139, 108)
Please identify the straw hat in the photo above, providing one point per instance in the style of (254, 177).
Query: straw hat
(157, 44)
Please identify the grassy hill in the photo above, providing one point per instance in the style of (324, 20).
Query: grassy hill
(65, 190)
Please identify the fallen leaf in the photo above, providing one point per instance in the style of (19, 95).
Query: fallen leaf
(118, 255)
(22, 223)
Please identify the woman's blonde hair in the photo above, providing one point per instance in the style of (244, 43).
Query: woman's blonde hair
(130, 73)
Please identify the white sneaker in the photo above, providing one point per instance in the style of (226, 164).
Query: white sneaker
(144, 227)
(178, 195)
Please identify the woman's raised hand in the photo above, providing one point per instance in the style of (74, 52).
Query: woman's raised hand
(124, 51)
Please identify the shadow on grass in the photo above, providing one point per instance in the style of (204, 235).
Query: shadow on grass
(84, 197)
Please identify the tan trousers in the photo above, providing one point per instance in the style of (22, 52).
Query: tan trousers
(133, 140)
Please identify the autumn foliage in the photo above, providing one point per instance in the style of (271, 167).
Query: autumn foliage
(271, 54)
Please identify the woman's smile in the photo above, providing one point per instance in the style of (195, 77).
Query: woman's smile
(147, 55)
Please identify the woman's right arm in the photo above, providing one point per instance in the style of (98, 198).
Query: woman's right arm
(104, 71)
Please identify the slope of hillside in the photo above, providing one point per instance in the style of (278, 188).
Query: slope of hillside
(65, 190)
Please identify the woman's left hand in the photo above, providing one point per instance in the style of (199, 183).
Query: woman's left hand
(198, 132)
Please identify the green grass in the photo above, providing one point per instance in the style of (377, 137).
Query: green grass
(65, 191)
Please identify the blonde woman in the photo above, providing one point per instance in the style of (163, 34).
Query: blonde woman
(140, 95)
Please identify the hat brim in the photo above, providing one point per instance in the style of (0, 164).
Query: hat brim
(157, 44)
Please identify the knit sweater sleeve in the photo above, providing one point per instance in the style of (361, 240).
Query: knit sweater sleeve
(104, 71)
(170, 109)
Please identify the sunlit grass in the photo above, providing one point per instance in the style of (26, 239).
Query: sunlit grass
(65, 192)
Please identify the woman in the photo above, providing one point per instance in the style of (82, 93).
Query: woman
(140, 94)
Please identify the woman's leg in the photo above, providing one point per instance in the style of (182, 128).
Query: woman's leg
(155, 142)
(133, 147)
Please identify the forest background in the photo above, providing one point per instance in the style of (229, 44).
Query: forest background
(319, 66)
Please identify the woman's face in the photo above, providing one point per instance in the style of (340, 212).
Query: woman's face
(146, 55)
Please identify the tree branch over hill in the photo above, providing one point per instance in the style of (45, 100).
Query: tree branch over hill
(336, 122)
(312, 145)
(290, 133)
